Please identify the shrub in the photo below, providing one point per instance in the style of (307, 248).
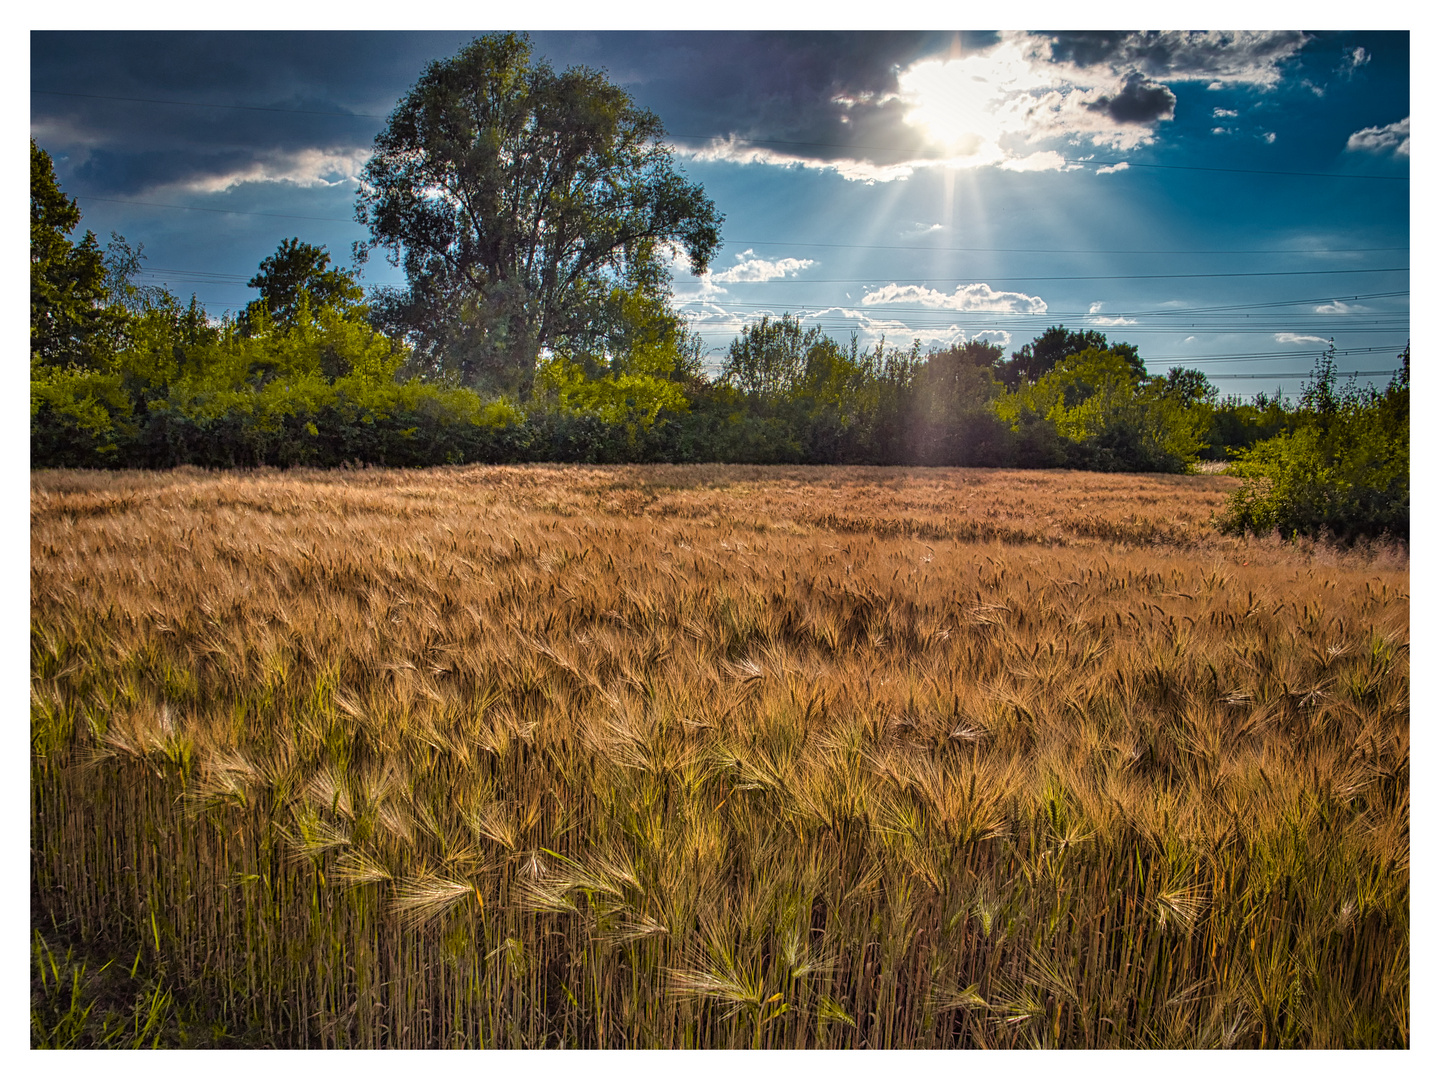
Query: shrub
(1343, 472)
(1101, 416)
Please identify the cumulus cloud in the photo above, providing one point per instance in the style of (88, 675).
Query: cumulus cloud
(1098, 319)
(1119, 166)
(1221, 114)
(1008, 100)
(1301, 339)
(310, 167)
(750, 268)
(869, 327)
(1140, 101)
(974, 297)
(870, 330)
(1378, 140)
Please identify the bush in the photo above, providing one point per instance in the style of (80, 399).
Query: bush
(1342, 473)
(1092, 411)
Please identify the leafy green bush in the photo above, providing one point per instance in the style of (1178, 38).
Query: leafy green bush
(1342, 472)
(1101, 416)
(79, 417)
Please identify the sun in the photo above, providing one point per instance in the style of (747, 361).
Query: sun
(967, 105)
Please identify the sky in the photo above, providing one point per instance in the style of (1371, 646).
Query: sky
(1224, 201)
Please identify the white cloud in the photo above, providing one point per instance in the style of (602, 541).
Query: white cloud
(974, 297)
(1001, 338)
(1353, 60)
(1220, 114)
(750, 269)
(1301, 339)
(734, 151)
(1338, 307)
(718, 325)
(896, 333)
(1007, 105)
(1042, 161)
(1119, 166)
(310, 167)
(1269, 136)
(979, 106)
(1106, 320)
(921, 229)
(1377, 140)
(1219, 131)
(1216, 57)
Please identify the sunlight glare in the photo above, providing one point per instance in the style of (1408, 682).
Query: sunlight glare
(966, 104)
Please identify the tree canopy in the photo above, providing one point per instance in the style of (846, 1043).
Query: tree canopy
(522, 204)
(299, 275)
(70, 322)
(1038, 357)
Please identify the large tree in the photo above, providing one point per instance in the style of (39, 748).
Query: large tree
(523, 205)
(70, 320)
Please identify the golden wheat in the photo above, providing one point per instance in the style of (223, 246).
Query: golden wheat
(721, 756)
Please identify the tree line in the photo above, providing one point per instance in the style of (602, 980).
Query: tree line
(535, 216)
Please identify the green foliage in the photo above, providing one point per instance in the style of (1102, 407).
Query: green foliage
(296, 281)
(1234, 425)
(630, 386)
(1343, 471)
(1040, 356)
(122, 265)
(952, 418)
(70, 321)
(767, 358)
(310, 375)
(78, 418)
(516, 200)
(1105, 417)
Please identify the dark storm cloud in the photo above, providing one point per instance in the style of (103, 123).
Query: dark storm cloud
(1088, 47)
(817, 96)
(1140, 102)
(300, 94)
(1251, 57)
(820, 96)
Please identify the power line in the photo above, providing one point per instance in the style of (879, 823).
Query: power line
(1078, 162)
(1308, 374)
(851, 281)
(209, 105)
(1067, 251)
(1171, 320)
(211, 209)
(1069, 277)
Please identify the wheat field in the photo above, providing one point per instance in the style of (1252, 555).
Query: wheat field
(671, 756)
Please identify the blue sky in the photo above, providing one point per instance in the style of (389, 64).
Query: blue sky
(1224, 201)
